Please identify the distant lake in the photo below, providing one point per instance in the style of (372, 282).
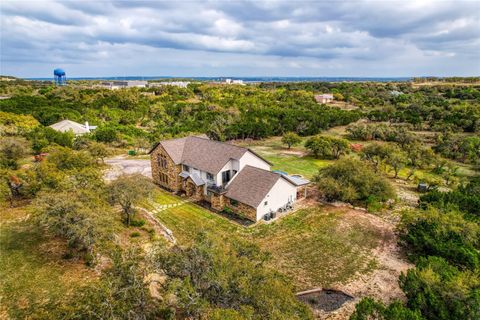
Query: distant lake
(248, 79)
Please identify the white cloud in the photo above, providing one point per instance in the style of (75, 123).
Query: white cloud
(355, 38)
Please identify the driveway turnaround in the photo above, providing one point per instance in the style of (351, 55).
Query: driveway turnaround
(120, 165)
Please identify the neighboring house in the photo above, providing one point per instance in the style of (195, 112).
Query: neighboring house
(75, 127)
(222, 174)
(324, 98)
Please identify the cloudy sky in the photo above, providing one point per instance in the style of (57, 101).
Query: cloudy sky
(240, 38)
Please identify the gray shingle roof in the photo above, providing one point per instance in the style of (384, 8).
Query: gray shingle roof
(201, 153)
(251, 185)
(195, 178)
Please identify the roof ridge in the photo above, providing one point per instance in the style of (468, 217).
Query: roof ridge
(219, 142)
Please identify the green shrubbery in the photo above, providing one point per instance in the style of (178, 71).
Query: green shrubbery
(352, 180)
(444, 234)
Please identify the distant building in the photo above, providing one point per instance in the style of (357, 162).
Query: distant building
(180, 84)
(75, 127)
(324, 98)
(232, 81)
(396, 93)
(120, 84)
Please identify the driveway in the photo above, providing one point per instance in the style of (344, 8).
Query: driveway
(121, 164)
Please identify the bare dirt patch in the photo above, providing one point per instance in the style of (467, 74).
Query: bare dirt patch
(382, 282)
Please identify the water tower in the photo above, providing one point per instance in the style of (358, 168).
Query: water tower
(59, 77)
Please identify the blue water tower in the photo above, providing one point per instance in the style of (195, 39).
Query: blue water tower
(59, 77)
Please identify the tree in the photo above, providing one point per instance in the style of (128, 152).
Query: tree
(127, 191)
(106, 134)
(213, 278)
(370, 309)
(465, 197)
(12, 150)
(396, 159)
(120, 293)
(352, 180)
(65, 214)
(327, 147)
(291, 139)
(445, 234)
(98, 150)
(441, 291)
(375, 153)
(319, 147)
(67, 159)
(42, 137)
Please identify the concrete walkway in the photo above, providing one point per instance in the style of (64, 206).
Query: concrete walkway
(162, 207)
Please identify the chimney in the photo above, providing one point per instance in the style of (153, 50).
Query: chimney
(86, 126)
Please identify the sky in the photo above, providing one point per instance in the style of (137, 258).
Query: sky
(353, 38)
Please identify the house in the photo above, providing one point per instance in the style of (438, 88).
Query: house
(224, 175)
(324, 98)
(75, 127)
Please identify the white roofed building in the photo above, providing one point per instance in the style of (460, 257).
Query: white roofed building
(75, 127)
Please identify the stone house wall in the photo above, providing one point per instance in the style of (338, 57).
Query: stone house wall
(242, 209)
(193, 191)
(166, 177)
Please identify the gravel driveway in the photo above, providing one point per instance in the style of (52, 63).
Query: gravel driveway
(120, 165)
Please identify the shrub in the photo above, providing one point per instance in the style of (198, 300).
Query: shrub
(441, 291)
(11, 151)
(209, 277)
(466, 198)
(448, 235)
(137, 223)
(368, 309)
(135, 234)
(352, 180)
(106, 134)
(327, 147)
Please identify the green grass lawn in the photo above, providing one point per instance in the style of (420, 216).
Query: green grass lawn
(34, 277)
(293, 161)
(307, 166)
(188, 220)
(319, 246)
(315, 247)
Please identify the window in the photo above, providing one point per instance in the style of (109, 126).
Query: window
(225, 176)
(234, 202)
(162, 161)
(163, 177)
(186, 168)
(265, 203)
(209, 176)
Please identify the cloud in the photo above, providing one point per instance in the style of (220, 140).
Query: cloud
(323, 38)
